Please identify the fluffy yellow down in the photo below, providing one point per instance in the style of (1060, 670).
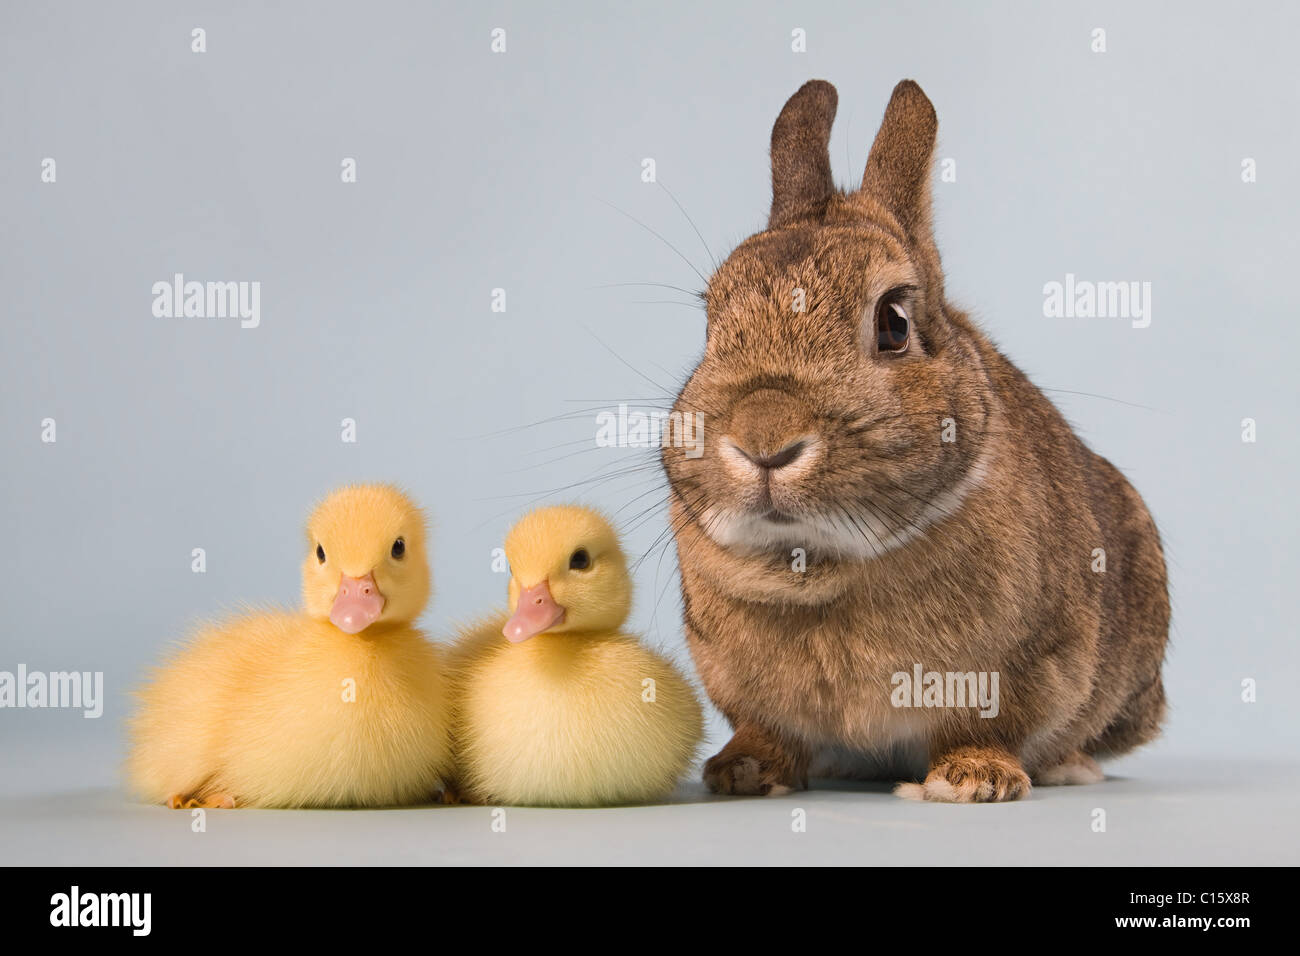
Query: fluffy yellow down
(576, 716)
(282, 709)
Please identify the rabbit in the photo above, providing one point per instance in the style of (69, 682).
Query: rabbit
(882, 492)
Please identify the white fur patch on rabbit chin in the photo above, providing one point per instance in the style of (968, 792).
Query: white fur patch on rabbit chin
(867, 536)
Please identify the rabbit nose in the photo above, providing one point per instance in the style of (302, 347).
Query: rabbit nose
(778, 459)
(770, 429)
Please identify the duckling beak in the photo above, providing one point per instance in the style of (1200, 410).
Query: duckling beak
(357, 604)
(536, 612)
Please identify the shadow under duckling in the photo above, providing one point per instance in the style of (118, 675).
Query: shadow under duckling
(555, 705)
(343, 704)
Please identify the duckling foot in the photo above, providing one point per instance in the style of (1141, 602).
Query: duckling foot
(755, 764)
(216, 801)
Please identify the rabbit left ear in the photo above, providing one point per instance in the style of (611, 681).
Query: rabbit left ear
(898, 169)
(801, 161)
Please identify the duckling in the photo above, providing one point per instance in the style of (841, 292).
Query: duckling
(555, 705)
(343, 703)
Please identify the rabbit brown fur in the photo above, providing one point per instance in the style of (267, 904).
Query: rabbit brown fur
(974, 553)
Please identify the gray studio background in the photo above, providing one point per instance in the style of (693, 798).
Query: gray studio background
(479, 171)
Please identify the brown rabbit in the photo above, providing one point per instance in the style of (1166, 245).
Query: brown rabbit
(882, 492)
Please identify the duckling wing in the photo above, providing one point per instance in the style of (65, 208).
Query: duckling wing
(179, 727)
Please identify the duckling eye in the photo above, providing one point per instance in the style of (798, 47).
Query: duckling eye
(320, 554)
(399, 547)
(580, 560)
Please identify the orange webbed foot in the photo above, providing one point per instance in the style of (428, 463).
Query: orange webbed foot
(216, 801)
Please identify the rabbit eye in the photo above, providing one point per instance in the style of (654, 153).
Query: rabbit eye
(399, 547)
(320, 554)
(893, 328)
(580, 560)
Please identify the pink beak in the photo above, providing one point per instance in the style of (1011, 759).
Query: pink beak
(357, 604)
(536, 612)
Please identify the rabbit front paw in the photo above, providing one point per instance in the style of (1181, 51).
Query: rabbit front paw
(970, 775)
(754, 765)
(742, 775)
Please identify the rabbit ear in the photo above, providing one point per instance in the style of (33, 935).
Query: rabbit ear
(898, 169)
(801, 162)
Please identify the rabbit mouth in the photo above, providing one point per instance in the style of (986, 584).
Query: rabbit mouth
(853, 531)
(754, 531)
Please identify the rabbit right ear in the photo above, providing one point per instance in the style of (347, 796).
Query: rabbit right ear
(801, 161)
(898, 169)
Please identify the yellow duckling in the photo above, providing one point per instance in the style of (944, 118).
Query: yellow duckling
(341, 704)
(567, 710)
